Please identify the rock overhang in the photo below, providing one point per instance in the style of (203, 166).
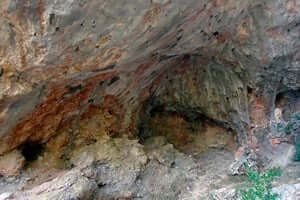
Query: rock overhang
(60, 58)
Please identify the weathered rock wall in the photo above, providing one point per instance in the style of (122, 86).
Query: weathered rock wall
(225, 59)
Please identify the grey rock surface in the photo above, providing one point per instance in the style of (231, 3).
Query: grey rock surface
(286, 192)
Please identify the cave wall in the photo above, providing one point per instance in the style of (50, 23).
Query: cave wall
(62, 61)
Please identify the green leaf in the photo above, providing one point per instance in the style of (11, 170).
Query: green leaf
(260, 184)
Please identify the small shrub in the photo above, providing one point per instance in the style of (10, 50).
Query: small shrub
(260, 187)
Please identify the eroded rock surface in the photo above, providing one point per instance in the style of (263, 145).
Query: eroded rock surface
(225, 74)
(60, 57)
(11, 164)
(122, 169)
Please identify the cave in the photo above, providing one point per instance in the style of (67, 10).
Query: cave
(288, 102)
(192, 134)
(157, 99)
(31, 151)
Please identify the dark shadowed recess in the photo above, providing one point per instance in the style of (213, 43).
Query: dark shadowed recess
(31, 151)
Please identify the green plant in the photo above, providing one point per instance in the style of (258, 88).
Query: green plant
(260, 184)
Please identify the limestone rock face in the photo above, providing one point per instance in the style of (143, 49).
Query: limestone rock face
(60, 57)
(72, 71)
(11, 164)
(120, 169)
(71, 185)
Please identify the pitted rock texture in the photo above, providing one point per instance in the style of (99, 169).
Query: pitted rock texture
(119, 169)
(63, 61)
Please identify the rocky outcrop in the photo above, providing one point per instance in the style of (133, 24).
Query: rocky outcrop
(72, 185)
(74, 71)
(11, 164)
(120, 169)
(60, 57)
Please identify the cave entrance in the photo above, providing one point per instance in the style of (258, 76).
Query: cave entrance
(31, 151)
(288, 102)
(191, 135)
